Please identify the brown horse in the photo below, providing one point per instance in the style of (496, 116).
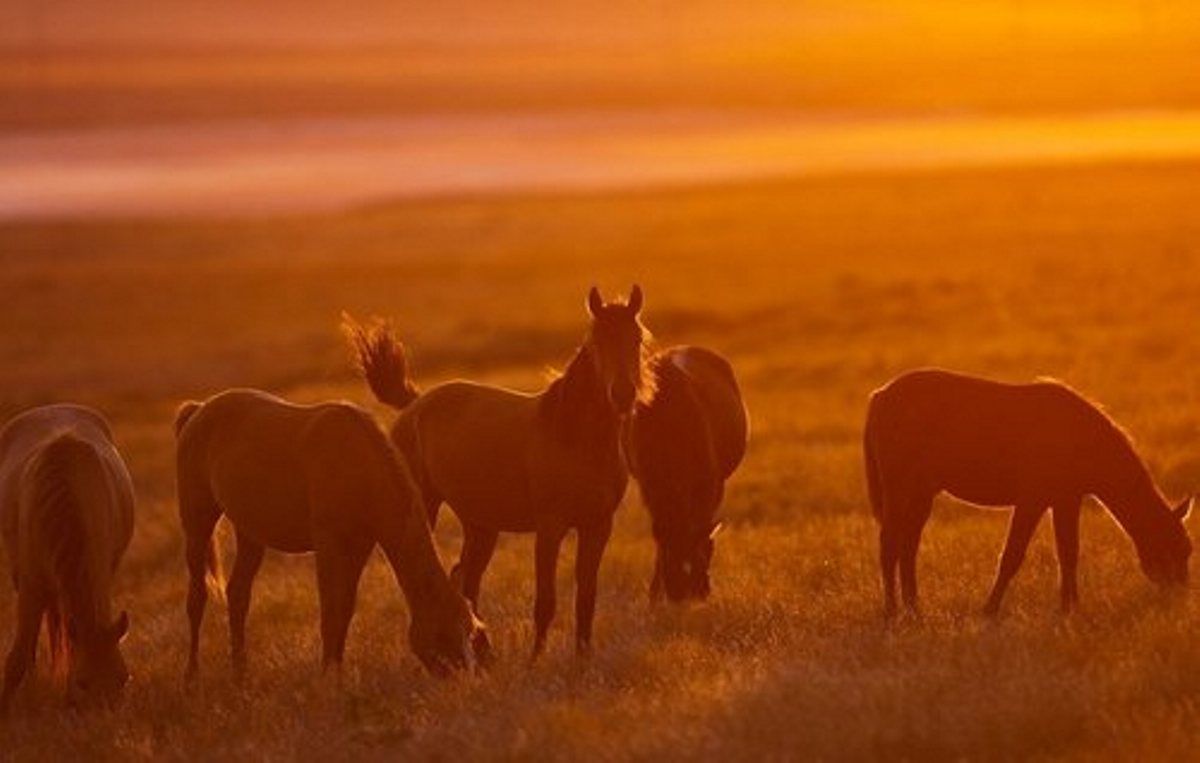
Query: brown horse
(300, 478)
(511, 462)
(682, 445)
(1030, 446)
(66, 515)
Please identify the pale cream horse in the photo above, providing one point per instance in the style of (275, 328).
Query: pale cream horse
(320, 478)
(66, 516)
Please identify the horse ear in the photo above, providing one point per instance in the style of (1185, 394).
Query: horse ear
(1184, 508)
(635, 299)
(120, 629)
(594, 302)
(717, 527)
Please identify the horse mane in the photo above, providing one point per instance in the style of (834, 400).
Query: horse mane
(1109, 426)
(565, 402)
(60, 518)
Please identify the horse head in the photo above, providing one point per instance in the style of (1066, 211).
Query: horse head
(684, 558)
(1165, 561)
(97, 672)
(451, 639)
(616, 344)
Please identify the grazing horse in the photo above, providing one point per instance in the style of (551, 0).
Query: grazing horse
(682, 445)
(1032, 446)
(511, 462)
(320, 478)
(66, 516)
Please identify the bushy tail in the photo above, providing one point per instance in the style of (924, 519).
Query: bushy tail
(185, 413)
(871, 465)
(67, 472)
(381, 361)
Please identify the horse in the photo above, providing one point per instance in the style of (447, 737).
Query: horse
(66, 516)
(506, 461)
(310, 478)
(1033, 447)
(682, 445)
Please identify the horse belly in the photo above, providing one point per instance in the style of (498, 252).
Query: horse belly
(999, 476)
(268, 505)
(486, 490)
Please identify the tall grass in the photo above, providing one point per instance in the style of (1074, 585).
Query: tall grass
(818, 291)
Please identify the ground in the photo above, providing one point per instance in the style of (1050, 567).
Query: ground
(818, 291)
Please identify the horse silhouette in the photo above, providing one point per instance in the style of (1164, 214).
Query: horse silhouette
(320, 478)
(1032, 446)
(682, 445)
(507, 461)
(66, 516)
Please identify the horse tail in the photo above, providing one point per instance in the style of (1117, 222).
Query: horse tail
(381, 360)
(184, 414)
(871, 464)
(66, 470)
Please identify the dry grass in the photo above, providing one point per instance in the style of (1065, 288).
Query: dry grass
(818, 291)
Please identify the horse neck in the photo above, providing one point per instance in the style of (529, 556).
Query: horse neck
(575, 405)
(408, 545)
(1128, 491)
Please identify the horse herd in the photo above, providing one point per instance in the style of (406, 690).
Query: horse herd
(325, 479)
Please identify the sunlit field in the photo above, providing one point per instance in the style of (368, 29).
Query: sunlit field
(818, 290)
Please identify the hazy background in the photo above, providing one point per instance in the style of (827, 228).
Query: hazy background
(246, 108)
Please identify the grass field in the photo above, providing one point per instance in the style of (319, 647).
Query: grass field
(819, 291)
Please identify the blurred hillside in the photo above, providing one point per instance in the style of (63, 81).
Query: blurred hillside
(79, 62)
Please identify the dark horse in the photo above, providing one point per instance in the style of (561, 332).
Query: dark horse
(1030, 446)
(511, 462)
(683, 444)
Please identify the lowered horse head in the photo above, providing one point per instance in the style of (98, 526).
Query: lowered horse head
(1166, 548)
(684, 557)
(616, 343)
(97, 671)
(450, 638)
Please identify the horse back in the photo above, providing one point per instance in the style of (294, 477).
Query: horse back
(59, 459)
(253, 456)
(711, 377)
(472, 446)
(988, 442)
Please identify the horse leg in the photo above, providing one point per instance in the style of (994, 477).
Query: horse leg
(889, 557)
(339, 566)
(549, 539)
(198, 548)
(1066, 539)
(478, 545)
(237, 593)
(909, 543)
(31, 605)
(592, 541)
(656, 584)
(1020, 530)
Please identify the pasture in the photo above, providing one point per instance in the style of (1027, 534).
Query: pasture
(818, 291)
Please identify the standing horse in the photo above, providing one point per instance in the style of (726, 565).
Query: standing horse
(1031, 446)
(683, 444)
(66, 516)
(511, 462)
(300, 478)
